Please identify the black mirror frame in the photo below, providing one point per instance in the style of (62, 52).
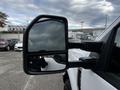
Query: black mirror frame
(25, 45)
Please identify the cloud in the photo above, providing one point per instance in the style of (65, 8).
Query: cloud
(105, 7)
(33, 6)
(20, 19)
(92, 12)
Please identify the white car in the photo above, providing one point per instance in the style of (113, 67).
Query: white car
(18, 46)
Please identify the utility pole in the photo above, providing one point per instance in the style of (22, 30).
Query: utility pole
(82, 22)
(18, 32)
(106, 20)
(107, 10)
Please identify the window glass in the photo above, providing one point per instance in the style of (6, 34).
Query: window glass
(115, 58)
(117, 38)
(113, 74)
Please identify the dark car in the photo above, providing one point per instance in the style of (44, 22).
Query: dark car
(4, 45)
(12, 43)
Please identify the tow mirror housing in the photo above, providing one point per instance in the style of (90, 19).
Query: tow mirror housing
(45, 45)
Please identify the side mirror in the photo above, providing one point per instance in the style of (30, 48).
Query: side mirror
(45, 48)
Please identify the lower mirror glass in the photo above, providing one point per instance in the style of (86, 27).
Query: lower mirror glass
(47, 63)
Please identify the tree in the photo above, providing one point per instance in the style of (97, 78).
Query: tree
(3, 18)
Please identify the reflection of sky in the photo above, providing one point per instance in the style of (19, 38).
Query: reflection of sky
(47, 35)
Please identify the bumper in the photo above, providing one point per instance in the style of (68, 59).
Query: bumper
(2, 47)
(18, 48)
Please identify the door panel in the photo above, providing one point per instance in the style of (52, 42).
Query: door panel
(91, 81)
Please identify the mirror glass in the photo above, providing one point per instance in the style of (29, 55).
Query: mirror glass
(45, 36)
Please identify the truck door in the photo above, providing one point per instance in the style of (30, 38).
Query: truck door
(109, 63)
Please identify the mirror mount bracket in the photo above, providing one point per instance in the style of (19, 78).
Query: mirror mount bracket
(85, 62)
(88, 46)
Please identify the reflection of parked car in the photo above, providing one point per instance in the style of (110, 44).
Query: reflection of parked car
(12, 43)
(19, 46)
(4, 44)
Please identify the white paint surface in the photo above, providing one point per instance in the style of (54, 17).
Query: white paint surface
(28, 83)
(74, 55)
(91, 81)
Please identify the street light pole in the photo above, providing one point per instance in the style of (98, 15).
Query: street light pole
(18, 34)
(106, 20)
(82, 22)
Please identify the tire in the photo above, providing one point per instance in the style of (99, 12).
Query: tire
(7, 48)
(67, 85)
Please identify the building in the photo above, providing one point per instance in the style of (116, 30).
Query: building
(84, 34)
(74, 35)
(16, 28)
(12, 32)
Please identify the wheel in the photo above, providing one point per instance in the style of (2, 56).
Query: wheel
(7, 48)
(67, 85)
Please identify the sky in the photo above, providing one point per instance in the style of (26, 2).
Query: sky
(80, 13)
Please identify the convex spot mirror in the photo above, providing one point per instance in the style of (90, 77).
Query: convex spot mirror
(45, 45)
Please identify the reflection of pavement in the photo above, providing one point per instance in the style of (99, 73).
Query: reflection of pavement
(12, 76)
(53, 65)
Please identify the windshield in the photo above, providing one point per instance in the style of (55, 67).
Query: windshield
(87, 19)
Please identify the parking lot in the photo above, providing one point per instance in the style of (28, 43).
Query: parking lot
(12, 76)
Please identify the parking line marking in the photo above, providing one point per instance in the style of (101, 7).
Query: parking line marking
(28, 82)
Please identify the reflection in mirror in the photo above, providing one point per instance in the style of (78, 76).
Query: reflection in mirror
(47, 35)
(47, 63)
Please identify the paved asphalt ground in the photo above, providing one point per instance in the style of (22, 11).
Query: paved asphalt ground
(12, 76)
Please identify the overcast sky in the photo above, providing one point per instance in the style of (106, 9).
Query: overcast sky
(91, 12)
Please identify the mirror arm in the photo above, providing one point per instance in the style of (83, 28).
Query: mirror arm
(88, 46)
(85, 62)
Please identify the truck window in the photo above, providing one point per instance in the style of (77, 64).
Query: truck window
(115, 57)
(117, 38)
(114, 66)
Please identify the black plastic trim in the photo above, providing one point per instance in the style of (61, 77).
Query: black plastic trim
(26, 54)
(88, 46)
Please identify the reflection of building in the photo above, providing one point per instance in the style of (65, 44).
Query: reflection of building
(84, 34)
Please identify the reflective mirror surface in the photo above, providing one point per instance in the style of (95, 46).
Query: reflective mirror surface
(47, 35)
(47, 45)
